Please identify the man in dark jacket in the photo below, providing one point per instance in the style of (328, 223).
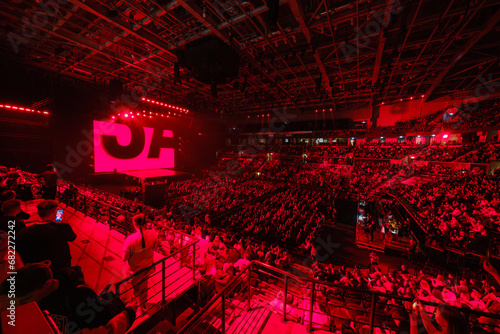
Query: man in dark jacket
(47, 239)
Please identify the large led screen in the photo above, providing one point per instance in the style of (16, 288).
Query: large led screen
(123, 147)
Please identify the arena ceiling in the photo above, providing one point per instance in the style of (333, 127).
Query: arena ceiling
(334, 54)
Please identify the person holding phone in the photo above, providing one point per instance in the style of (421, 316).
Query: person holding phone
(47, 239)
(449, 320)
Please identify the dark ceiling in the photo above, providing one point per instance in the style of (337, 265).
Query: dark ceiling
(310, 58)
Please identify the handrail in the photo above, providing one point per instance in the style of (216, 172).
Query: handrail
(228, 286)
(254, 265)
(157, 262)
(191, 241)
(376, 293)
(120, 210)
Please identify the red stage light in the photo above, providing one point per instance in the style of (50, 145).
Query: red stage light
(113, 117)
(445, 136)
(142, 98)
(411, 98)
(126, 115)
(15, 108)
(45, 112)
(8, 107)
(422, 96)
(21, 108)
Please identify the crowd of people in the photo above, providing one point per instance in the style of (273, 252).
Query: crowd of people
(347, 311)
(272, 209)
(444, 152)
(287, 218)
(459, 209)
(484, 154)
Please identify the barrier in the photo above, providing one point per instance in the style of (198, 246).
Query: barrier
(317, 305)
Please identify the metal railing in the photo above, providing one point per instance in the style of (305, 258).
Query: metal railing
(313, 303)
(169, 273)
(169, 277)
(103, 212)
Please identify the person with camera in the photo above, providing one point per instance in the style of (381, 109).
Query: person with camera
(47, 239)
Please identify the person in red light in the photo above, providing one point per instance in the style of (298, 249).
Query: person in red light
(50, 178)
(449, 320)
(138, 253)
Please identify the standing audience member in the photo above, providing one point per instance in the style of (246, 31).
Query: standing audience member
(50, 179)
(46, 239)
(138, 251)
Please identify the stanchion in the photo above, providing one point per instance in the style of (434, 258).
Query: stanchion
(310, 327)
(163, 287)
(249, 287)
(284, 298)
(223, 313)
(372, 314)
